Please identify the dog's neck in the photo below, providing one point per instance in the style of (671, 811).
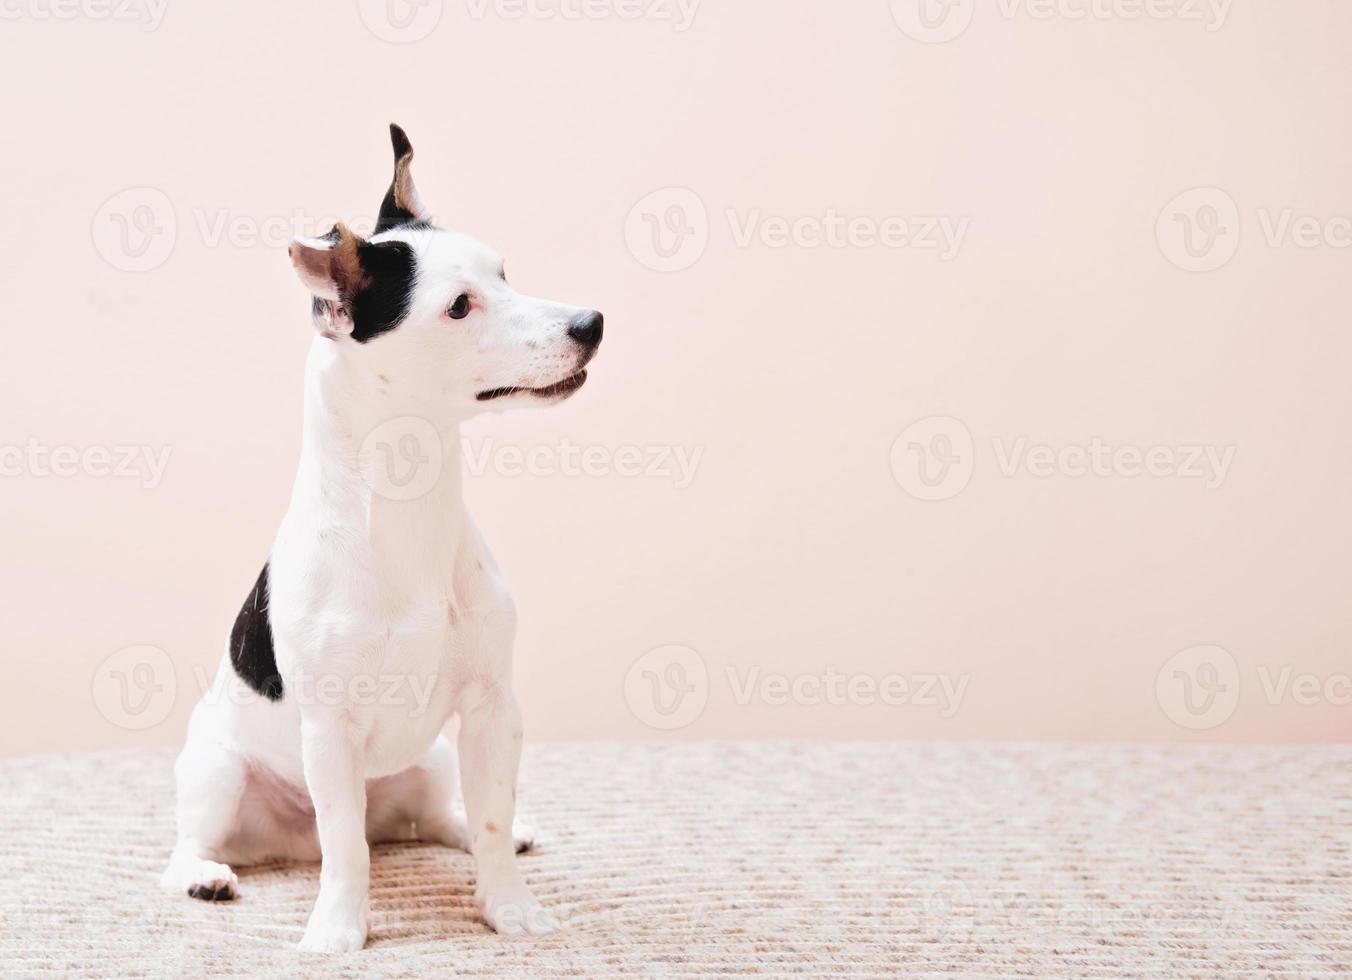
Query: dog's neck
(355, 424)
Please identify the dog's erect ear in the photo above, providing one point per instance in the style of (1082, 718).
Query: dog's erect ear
(401, 204)
(331, 269)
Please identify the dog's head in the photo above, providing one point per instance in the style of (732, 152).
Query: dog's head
(430, 313)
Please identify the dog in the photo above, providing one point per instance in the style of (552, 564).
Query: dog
(380, 615)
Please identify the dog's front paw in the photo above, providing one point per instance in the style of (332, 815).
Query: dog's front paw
(523, 837)
(331, 934)
(200, 878)
(511, 910)
(454, 832)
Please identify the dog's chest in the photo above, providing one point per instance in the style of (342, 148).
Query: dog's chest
(438, 641)
(390, 621)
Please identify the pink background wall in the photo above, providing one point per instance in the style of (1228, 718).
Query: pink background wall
(1080, 302)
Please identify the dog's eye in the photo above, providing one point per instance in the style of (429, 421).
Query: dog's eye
(460, 308)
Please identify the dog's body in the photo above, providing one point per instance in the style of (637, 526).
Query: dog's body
(380, 615)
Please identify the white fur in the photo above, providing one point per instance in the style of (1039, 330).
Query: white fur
(398, 597)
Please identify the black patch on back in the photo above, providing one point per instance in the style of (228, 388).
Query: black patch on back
(391, 268)
(251, 651)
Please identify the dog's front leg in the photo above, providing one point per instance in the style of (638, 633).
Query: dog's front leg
(490, 751)
(332, 756)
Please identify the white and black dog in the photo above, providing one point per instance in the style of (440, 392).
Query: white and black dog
(377, 618)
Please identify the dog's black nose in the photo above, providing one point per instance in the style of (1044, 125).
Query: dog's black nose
(586, 328)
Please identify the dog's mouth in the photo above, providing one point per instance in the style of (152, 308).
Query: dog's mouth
(565, 387)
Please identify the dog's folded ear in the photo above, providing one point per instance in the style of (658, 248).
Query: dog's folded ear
(402, 204)
(330, 267)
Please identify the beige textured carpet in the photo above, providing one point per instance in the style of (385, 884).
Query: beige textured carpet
(714, 860)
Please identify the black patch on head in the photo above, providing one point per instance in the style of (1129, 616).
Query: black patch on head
(391, 268)
(251, 650)
(392, 215)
